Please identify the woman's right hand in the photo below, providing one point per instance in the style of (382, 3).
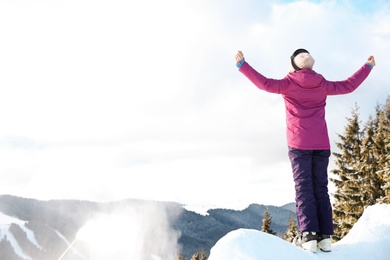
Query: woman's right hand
(371, 61)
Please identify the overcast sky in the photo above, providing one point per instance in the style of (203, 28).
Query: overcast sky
(106, 99)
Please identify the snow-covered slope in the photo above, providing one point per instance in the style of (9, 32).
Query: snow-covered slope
(5, 223)
(8, 235)
(368, 239)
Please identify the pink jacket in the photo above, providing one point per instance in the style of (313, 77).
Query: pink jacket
(304, 93)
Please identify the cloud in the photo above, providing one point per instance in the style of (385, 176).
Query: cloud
(112, 95)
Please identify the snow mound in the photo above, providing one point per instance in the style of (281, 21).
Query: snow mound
(368, 239)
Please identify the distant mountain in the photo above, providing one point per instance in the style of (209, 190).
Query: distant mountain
(289, 206)
(34, 229)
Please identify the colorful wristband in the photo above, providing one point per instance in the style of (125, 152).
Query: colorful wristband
(369, 65)
(239, 64)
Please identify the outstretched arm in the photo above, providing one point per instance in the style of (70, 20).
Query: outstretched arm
(260, 81)
(353, 82)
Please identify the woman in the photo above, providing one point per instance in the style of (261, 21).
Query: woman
(304, 92)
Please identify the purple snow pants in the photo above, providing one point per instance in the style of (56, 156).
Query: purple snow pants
(313, 208)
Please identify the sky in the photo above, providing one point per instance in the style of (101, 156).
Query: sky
(368, 239)
(106, 100)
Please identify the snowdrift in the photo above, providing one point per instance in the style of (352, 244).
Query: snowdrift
(368, 239)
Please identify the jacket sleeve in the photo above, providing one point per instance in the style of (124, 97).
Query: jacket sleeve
(350, 84)
(277, 86)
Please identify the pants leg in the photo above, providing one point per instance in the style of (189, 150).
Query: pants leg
(306, 206)
(313, 208)
(320, 185)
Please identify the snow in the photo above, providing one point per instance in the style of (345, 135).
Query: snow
(368, 239)
(5, 223)
(7, 220)
(30, 236)
(202, 209)
(16, 246)
(199, 209)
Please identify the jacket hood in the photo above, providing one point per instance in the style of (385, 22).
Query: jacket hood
(305, 78)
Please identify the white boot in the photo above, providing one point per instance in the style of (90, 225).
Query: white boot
(310, 246)
(307, 240)
(324, 243)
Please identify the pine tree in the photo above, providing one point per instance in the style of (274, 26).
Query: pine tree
(369, 182)
(363, 168)
(203, 255)
(382, 141)
(385, 177)
(267, 221)
(348, 207)
(196, 256)
(292, 230)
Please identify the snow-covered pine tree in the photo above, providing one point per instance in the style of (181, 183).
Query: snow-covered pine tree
(363, 174)
(267, 220)
(291, 231)
(382, 141)
(385, 175)
(347, 207)
(369, 182)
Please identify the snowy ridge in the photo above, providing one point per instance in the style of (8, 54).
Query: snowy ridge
(30, 236)
(202, 209)
(5, 223)
(14, 243)
(368, 239)
(5, 219)
(5, 233)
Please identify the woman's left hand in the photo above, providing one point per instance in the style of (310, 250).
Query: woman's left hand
(239, 56)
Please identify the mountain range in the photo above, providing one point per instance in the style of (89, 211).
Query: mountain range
(36, 229)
